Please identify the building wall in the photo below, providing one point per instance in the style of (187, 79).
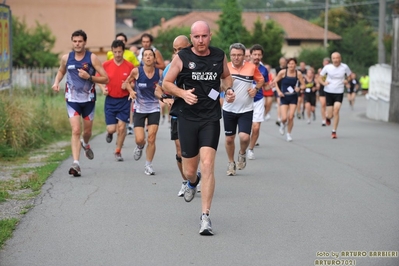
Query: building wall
(293, 51)
(95, 17)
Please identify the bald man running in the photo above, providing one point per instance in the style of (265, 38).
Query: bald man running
(179, 43)
(201, 73)
(334, 85)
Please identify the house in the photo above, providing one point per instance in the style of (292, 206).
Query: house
(63, 17)
(298, 33)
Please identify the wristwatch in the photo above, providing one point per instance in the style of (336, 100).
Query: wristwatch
(90, 79)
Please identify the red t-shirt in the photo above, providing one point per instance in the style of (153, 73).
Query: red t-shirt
(117, 75)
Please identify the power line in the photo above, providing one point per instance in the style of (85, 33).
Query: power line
(272, 9)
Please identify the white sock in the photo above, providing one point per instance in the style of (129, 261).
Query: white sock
(75, 161)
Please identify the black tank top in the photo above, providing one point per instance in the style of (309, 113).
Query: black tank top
(202, 73)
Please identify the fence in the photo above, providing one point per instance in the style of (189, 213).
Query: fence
(33, 77)
(379, 92)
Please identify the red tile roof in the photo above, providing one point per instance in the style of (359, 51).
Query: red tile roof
(295, 28)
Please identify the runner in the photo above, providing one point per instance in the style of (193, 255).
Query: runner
(288, 93)
(80, 65)
(240, 112)
(310, 94)
(322, 95)
(179, 43)
(199, 71)
(259, 99)
(282, 65)
(334, 89)
(117, 100)
(352, 87)
(146, 107)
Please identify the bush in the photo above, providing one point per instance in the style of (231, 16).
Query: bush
(31, 118)
(313, 57)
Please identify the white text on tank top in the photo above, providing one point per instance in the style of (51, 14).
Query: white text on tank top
(78, 89)
(146, 102)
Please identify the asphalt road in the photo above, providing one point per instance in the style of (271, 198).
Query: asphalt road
(295, 204)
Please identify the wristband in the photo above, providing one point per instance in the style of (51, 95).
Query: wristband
(90, 79)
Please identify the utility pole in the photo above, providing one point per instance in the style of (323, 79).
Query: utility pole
(381, 31)
(394, 96)
(326, 25)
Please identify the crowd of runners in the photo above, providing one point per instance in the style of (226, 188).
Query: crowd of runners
(198, 87)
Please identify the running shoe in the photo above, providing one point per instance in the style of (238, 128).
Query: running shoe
(298, 115)
(148, 170)
(137, 152)
(88, 152)
(282, 129)
(205, 225)
(328, 121)
(109, 137)
(75, 170)
(250, 155)
(242, 161)
(289, 138)
(333, 135)
(323, 124)
(278, 123)
(231, 168)
(189, 192)
(118, 157)
(182, 189)
(257, 144)
(267, 117)
(308, 122)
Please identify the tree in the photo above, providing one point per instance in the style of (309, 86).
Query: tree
(274, 39)
(313, 57)
(231, 29)
(271, 37)
(32, 47)
(165, 39)
(358, 47)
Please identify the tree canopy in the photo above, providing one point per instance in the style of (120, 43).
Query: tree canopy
(31, 47)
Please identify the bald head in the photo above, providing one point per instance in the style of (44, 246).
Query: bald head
(181, 40)
(200, 38)
(336, 58)
(200, 25)
(179, 43)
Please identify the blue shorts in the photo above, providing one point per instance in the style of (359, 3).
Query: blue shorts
(86, 110)
(289, 99)
(116, 109)
(232, 120)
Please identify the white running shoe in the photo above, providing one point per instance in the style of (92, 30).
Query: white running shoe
(231, 168)
(282, 128)
(289, 138)
(267, 117)
(205, 225)
(148, 170)
(250, 155)
(137, 153)
(242, 161)
(182, 189)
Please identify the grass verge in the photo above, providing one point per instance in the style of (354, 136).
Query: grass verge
(7, 226)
